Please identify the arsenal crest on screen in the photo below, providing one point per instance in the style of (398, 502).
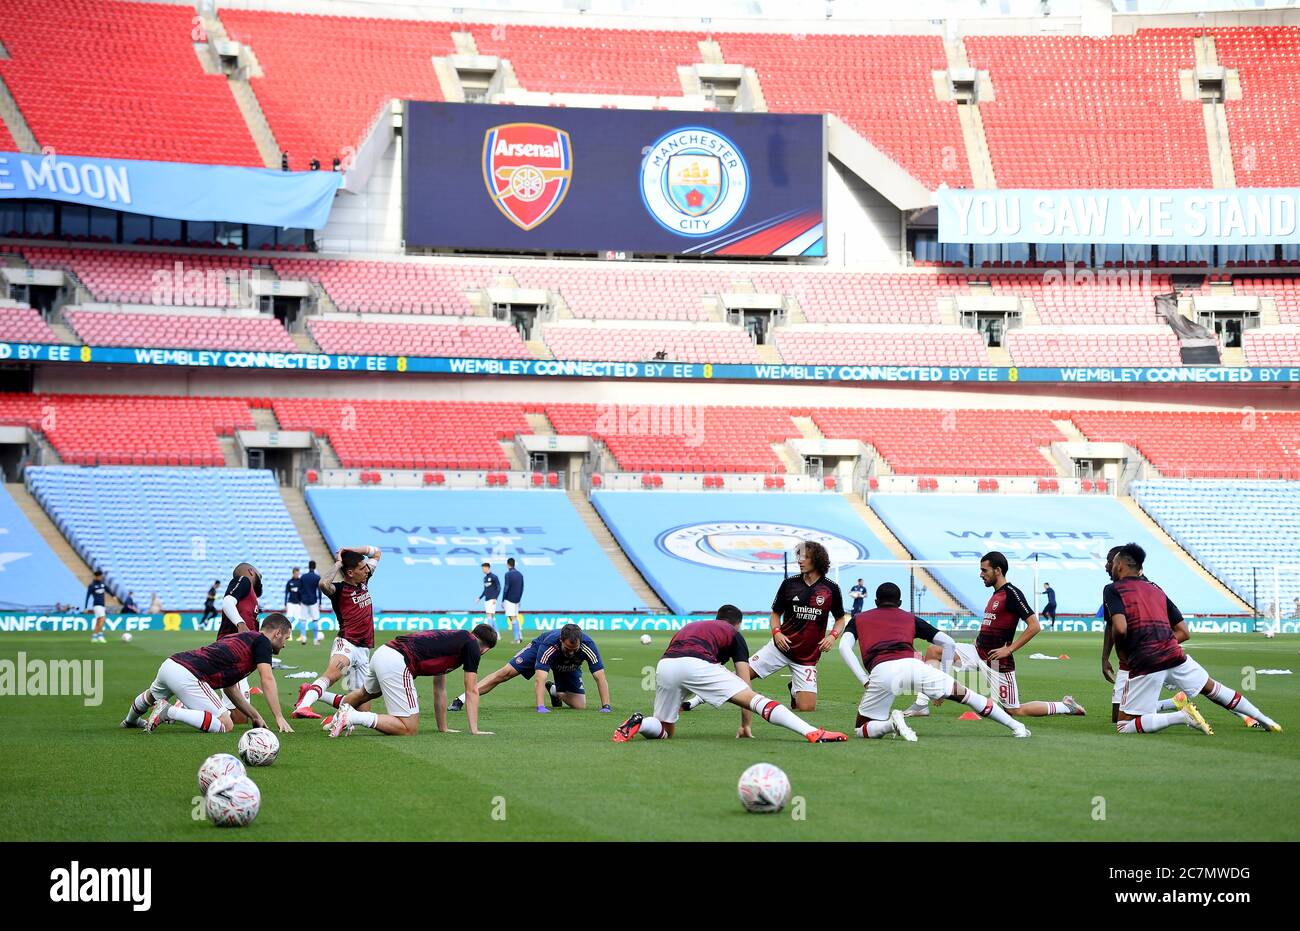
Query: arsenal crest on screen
(528, 169)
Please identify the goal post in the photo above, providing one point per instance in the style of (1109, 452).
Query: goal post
(913, 577)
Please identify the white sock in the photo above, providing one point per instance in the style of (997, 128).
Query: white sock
(139, 707)
(651, 728)
(874, 729)
(363, 718)
(461, 698)
(694, 702)
(201, 720)
(1237, 703)
(1150, 723)
(313, 694)
(988, 708)
(1057, 707)
(923, 699)
(1166, 705)
(775, 713)
(332, 699)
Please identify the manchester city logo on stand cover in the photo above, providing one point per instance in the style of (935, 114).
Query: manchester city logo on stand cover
(752, 546)
(694, 181)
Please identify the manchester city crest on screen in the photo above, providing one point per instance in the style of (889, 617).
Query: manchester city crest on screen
(528, 169)
(694, 181)
(751, 546)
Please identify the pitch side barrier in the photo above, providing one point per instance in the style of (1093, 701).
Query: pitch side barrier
(755, 625)
(639, 371)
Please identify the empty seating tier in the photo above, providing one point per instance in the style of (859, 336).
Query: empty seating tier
(167, 279)
(682, 438)
(408, 434)
(1261, 125)
(118, 430)
(180, 331)
(120, 80)
(615, 344)
(949, 442)
(1080, 112)
(325, 78)
(1070, 346)
(419, 339)
(1239, 531)
(1196, 444)
(881, 86)
(391, 287)
(21, 324)
(1122, 298)
(923, 346)
(173, 531)
(641, 62)
(847, 297)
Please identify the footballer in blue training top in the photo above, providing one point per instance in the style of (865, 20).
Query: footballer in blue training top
(554, 662)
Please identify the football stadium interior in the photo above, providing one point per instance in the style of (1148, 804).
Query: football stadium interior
(282, 277)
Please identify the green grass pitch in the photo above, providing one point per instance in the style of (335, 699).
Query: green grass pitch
(68, 773)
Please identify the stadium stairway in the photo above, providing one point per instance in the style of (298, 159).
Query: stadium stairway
(898, 551)
(600, 533)
(308, 531)
(12, 118)
(972, 124)
(53, 538)
(242, 90)
(230, 450)
(1153, 527)
(1217, 140)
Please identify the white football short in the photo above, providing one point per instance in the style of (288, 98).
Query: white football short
(309, 612)
(175, 680)
(388, 676)
(98, 610)
(896, 677)
(490, 608)
(678, 676)
(511, 608)
(1142, 693)
(769, 659)
(1000, 685)
(358, 661)
(225, 699)
(1121, 680)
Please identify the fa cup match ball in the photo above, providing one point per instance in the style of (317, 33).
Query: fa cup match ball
(259, 747)
(233, 801)
(218, 766)
(126, 637)
(763, 789)
(645, 638)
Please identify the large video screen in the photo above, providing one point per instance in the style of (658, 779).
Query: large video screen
(555, 179)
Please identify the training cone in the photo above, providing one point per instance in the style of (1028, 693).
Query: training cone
(968, 716)
(1065, 656)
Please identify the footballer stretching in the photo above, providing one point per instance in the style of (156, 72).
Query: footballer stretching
(196, 676)
(694, 662)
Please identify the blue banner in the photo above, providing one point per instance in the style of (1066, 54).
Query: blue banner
(1238, 217)
(700, 551)
(755, 626)
(30, 572)
(649, 371)
(435, 544)
(1064, 542)
(175, 190)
